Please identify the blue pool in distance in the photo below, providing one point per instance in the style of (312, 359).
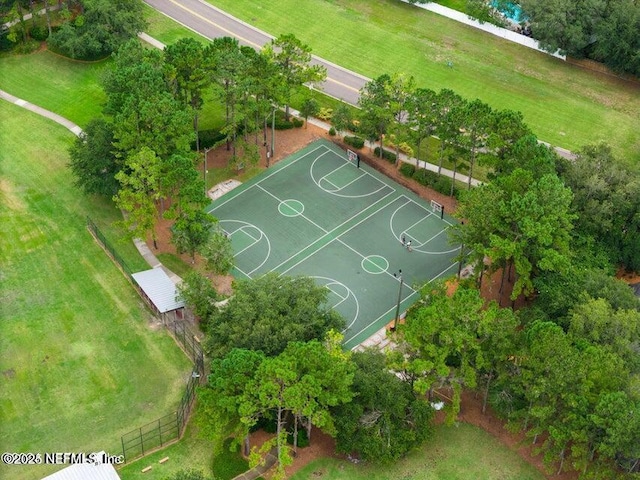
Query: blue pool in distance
(510, 10)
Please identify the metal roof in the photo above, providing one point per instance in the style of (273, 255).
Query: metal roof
(86, 471)
(157, 285)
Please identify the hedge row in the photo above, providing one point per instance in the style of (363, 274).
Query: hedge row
(355, 142)
(430, 179)
(386, 154)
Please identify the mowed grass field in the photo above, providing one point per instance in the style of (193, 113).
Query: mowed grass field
(80, 364)
(564, 104)
(459, 452)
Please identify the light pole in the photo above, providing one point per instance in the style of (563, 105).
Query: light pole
(204, 170)
(395, 320)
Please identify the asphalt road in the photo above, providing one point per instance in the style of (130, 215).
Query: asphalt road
(211, 22)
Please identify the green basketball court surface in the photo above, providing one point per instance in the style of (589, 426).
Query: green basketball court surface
(317, 214)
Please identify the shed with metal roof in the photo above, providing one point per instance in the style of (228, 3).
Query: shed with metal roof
(160, 292)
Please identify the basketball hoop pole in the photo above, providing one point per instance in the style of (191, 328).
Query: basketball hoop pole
(395, 320)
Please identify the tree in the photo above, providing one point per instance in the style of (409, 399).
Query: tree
(376, 116)
(229, 73)
(293, 59)
(191, 231)
(139, 191)
(217, 252)
(519, 222)
(422, 116)
(268, 312)
(183, 185)
(186, 71)
(449, 108)
(103, 26)
(565, 25)
(199, 295)
(618, 42)
(93, 160)
(385, 419)
(607, 201)
(476, 122)
(447, 335)
(309, 108)
(342, 120)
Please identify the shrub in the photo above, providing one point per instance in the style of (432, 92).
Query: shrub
(332, 132)
(407, 169)
(208, 138)
(282, 124)
(355, 142)
(325, 114)
(39, 33)
(297, 122)
(303, 440)
(425, 177)
(405, 148)
(387, 155)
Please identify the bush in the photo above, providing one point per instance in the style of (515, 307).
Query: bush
(282, 124)
(355, 142)
(39, 33)
(407, 169)
(303, 440)
(332, 132)
(387, 155)
(425, 177)
(208, 138)
(325, 114)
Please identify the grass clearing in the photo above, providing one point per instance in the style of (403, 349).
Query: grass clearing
(459, 452)
(80, 364)
(564, 104)
(67, 87)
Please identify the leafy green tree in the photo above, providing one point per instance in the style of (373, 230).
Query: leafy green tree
(449, 108)
(102, 27)
(520, 222)
(268, 312)
(447, 334)
(564, 25)
(93, 160)
(186, 71)
(229, 73)
(309, 108)
(217, 252)
(375, 115)
(199, 295)
(422, 116)
(183, 185)
(139, 192)
(607, 201)
(293, 59)
(476, 122)
(191, 231)
(385, 419)
(342, 119)
(618, 42)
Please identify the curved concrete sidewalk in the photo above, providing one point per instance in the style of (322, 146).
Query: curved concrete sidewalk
(75, 129)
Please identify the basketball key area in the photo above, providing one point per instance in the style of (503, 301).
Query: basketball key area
(317, 214)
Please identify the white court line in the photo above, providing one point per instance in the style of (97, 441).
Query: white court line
(334, 229)
(416, 223)
(301, 215)
(242, 229)
(330, 183)
(365, 256)
(269, 176)
(345, 163)
(427, 210)
(245, 274)
(376, 320)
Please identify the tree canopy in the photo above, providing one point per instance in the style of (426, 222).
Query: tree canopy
(268, 312)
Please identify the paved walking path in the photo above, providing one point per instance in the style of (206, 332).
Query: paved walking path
(75, 129)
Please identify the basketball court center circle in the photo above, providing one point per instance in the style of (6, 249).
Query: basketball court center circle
(291, 208)
(375, 264)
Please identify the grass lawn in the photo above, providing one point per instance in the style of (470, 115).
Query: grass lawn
(565, 105)
(80, 364)
(167, 30)
(460, 452)
(67, 87)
